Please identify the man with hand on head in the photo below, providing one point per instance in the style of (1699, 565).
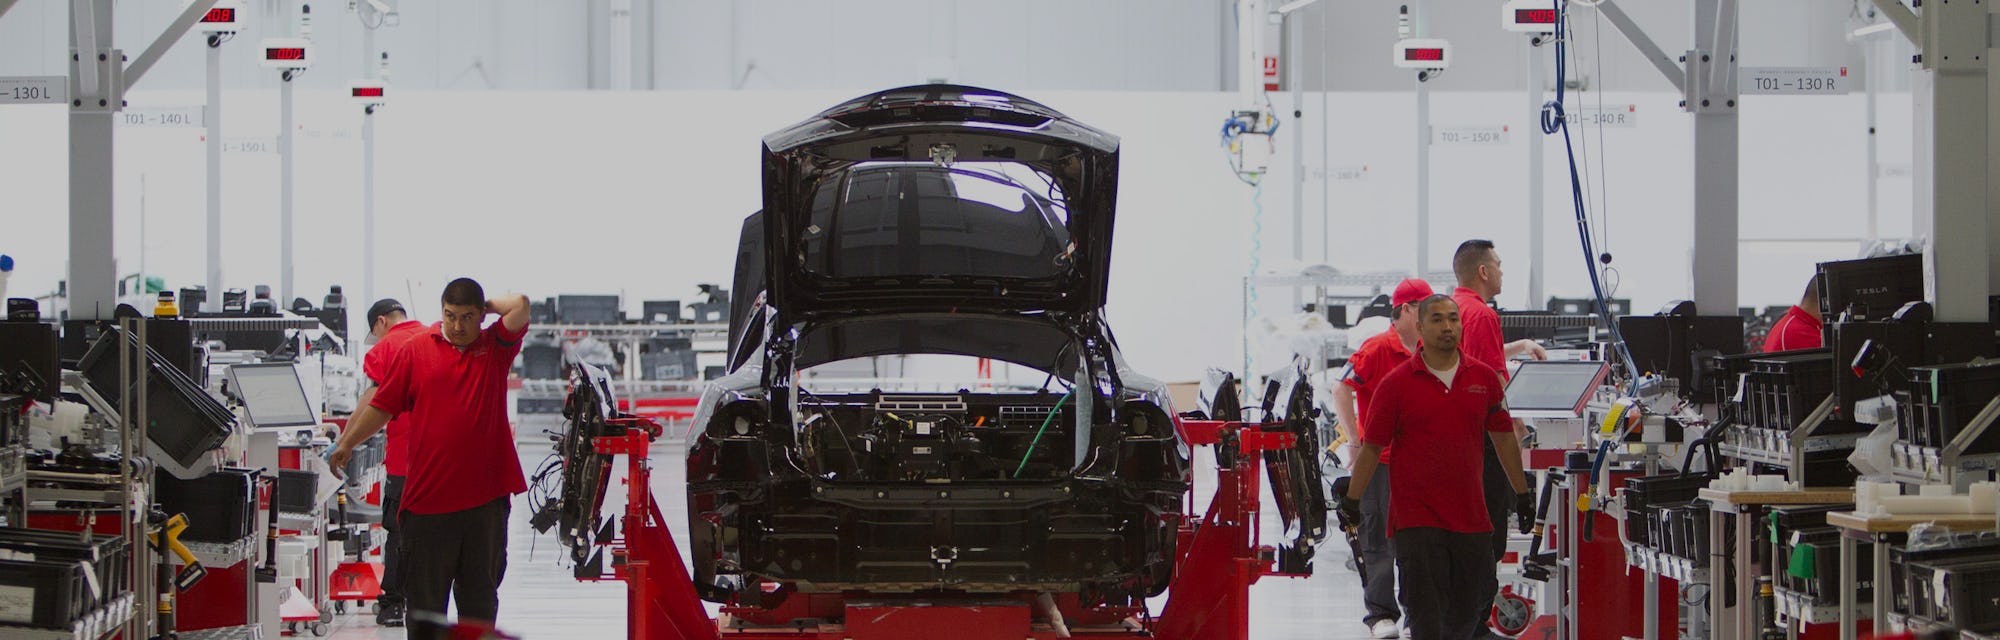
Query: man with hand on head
(1377, 357)
(1437, 409)
(1477, 266)
(451, 382)
(391, 329)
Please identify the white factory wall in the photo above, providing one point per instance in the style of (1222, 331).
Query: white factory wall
(855, 45)
(642, 194)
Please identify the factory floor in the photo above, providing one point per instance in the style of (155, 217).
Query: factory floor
(540, 599)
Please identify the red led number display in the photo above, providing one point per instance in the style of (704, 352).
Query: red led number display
(367, 92)
(1429, 55)
(1535, 16)
(285, 53)
(220, 15)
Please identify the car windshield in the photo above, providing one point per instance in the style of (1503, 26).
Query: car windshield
(911, 219)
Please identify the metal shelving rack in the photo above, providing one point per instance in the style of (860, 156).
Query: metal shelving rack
(1786, 449)
(1954, 463)
(107, 620)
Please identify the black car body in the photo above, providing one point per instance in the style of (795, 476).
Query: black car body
(948, 220)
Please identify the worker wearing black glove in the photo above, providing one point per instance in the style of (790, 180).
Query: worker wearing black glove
(1524, 508)
(1436, 411)
(1350, 510)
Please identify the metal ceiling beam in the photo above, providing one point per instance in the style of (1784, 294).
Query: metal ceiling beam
(166, 41)
(1652, 52)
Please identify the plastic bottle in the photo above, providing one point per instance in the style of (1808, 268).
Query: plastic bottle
(6, 269)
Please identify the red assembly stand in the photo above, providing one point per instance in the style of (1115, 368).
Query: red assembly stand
(1210, 598)
(360, 579)
(1608, 596)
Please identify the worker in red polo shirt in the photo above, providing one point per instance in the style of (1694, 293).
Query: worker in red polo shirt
(1378, 356)
(1435, 410)
(452, 383)
(390, 328)
(1801, 326)
(1477, 266)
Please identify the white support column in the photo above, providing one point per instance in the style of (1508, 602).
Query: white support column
(1249, 46)
(1537, 211)
(1711, 94)
(1991, 216)
(284, 297)
(96, 93)
(370, 65)
(619, 27)
(1964, 196)
(368, 207)
(1423, 266)
(213, 144)
(1289, 66)
(1871, 49)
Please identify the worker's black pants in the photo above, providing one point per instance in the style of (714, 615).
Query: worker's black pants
(392, 564)
(1500, 508)
(460, 555)
(1378, 553)
(1443, 575)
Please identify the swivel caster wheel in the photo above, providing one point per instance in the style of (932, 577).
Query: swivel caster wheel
(1512, 613)
(320, 629)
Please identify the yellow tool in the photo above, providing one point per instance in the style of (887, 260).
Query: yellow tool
(1616, 416)
(193, 572)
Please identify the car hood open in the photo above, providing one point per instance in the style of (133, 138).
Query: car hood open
(923, 132)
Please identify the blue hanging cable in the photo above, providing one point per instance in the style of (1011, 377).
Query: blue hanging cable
(1554, 121)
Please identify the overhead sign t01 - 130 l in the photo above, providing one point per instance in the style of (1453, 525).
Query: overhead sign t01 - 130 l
(34, 90)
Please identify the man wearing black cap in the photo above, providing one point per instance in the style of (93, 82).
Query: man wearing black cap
(391, 329)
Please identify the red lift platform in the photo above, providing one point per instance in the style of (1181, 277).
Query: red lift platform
(1209, 599)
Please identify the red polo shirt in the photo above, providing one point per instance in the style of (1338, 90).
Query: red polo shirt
(461, 449)
(1439, 435)
(376, 366)
(1797, 330)
(1479, 333)
(1365, 369)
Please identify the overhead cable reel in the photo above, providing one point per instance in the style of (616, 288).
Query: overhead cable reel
(1247, 135)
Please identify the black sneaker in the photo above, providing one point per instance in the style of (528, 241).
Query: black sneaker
(388, 613)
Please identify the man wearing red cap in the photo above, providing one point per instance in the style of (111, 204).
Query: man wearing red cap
(1365, 369)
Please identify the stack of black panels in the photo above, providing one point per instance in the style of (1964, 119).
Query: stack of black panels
(1648, 499)
(183, 420)
(1961, 593)
(1809, 553)
(1942, 401)
(1913, 572)
(68, 576)
(221, 507)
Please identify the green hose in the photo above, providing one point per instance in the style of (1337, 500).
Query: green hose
(1038, 432)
